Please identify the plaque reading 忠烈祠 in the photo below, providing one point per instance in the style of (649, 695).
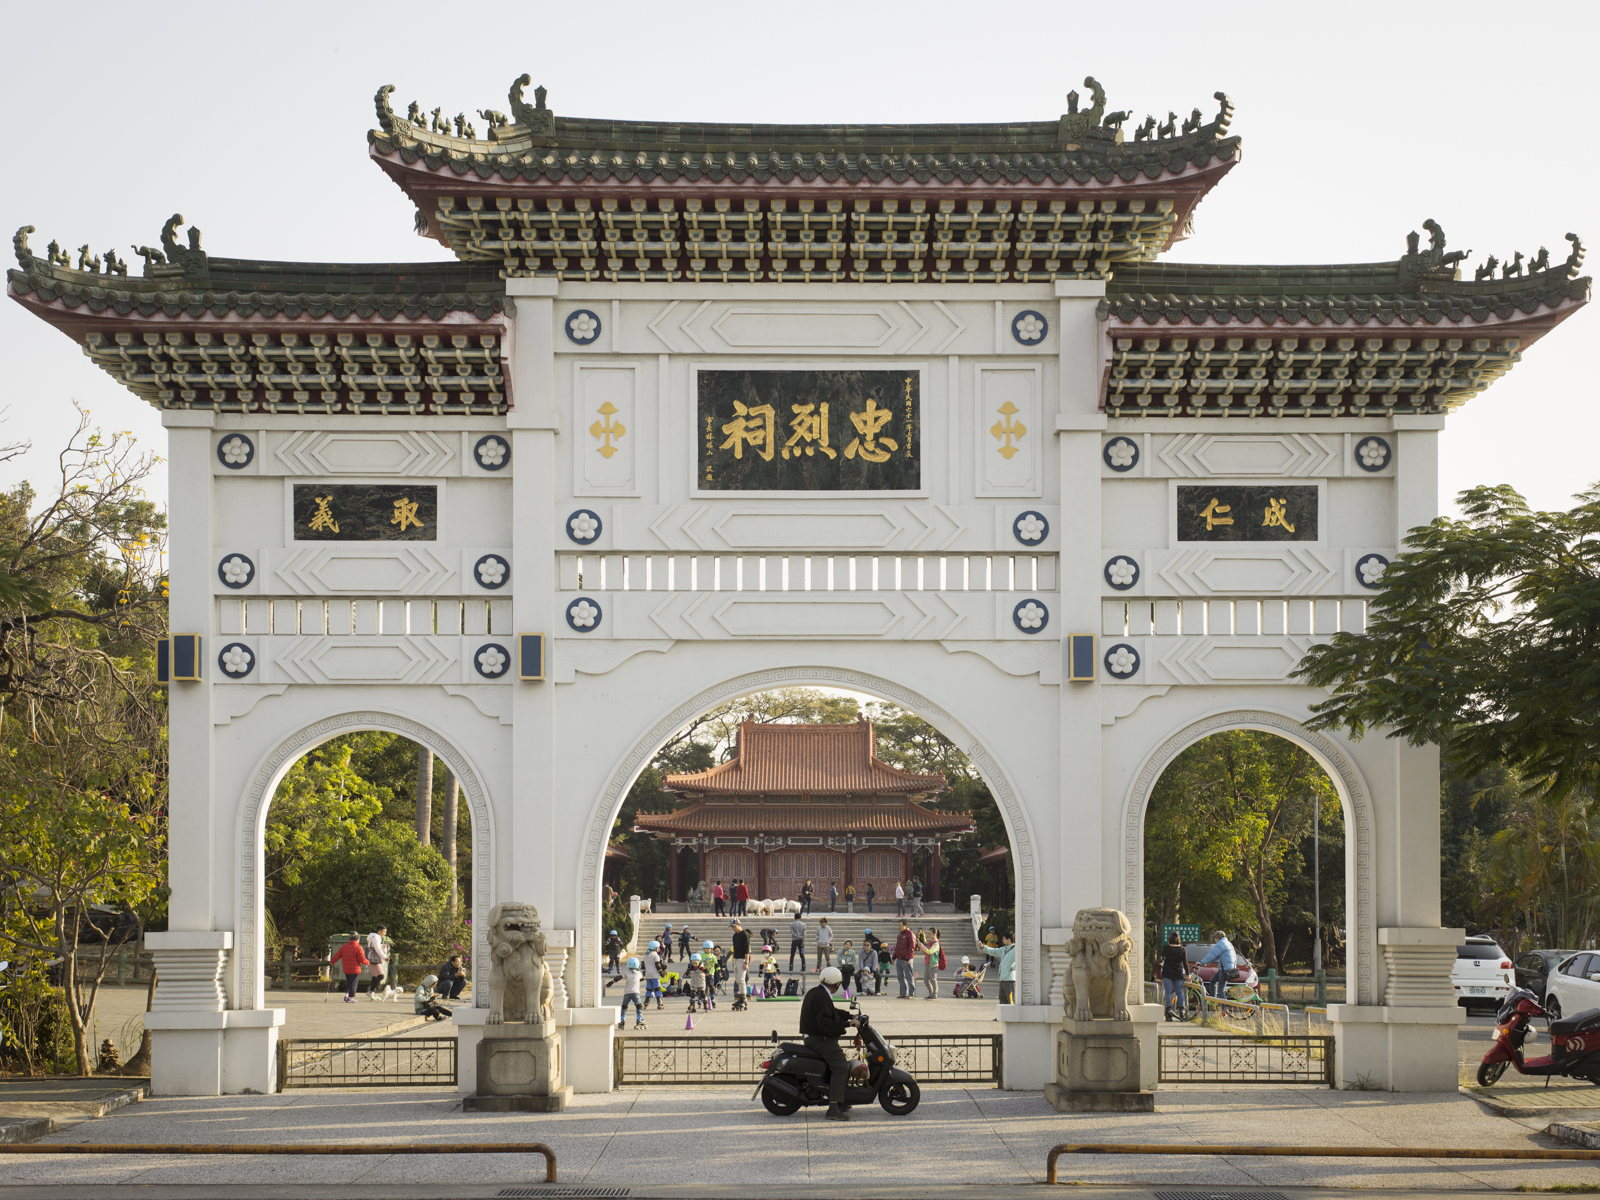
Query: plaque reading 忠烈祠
(365, 512)
(1228, 513)
(809, 431)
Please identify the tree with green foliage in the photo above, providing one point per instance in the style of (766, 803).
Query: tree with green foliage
(1232, 809)
(383, 876)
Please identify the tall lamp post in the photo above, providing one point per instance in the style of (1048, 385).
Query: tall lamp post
(1316, 882)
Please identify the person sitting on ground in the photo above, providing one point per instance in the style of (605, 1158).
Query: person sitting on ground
(451, 979)
(821, 1023)
(423, 1003)
(631, 980)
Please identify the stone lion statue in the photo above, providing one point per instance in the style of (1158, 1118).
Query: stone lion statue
(520, 988)
(1097, 984)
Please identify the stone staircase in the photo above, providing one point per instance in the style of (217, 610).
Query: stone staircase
(955, 931)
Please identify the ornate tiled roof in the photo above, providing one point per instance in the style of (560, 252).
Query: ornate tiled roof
(635, 200)
(803, 820)
(805, 760)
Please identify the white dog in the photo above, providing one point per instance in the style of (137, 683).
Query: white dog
(644, 906)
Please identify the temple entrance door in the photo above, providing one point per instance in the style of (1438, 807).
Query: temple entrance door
(882, 869)
(788, 870)
(724, 866)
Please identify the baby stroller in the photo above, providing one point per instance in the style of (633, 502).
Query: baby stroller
(970, 989)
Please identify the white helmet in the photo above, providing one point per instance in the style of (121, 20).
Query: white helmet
(965, 961)
(832, 977)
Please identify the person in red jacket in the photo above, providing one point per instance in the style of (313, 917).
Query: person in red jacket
(350, 958)
(905, 949)
(741, 896)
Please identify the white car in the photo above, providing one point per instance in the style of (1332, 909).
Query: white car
(1482, 974)
(1574, 986)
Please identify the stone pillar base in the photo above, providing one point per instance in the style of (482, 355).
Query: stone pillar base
(1395, 1049)
(519, 1069)
(1097, 1069)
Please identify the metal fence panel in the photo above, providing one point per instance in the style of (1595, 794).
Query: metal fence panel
(366, 1062)
(1225, 1058)
(932, 1058)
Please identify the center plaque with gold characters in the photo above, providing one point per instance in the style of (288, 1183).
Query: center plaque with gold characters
(1233, 513)
(365, 512)
(809, 431)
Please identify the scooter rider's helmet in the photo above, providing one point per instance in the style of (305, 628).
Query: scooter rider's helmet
(832, 976)
(633, 964)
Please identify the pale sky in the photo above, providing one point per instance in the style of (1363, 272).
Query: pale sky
(1359, 121)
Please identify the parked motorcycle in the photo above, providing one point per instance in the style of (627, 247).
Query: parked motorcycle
(1574, 1042)
(795, 1077)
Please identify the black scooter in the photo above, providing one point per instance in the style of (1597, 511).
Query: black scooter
(796, 1077)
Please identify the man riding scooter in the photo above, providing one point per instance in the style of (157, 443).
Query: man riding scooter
(821, 1024)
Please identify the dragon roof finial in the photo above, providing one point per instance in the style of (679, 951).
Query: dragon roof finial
(537, 120)
(385, 112)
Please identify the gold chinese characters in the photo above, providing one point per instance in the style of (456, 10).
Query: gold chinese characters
(405, 515)
(1277, 513)
(322, 519)
(1211, 511)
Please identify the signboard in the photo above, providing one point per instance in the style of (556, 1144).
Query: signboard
(809, 431)
(365, 512)
(1187, 934)
(1233, 513)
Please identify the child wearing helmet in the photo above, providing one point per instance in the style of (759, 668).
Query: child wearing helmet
(630, 994)
(652, 973)
(695, 982)
(614, 951)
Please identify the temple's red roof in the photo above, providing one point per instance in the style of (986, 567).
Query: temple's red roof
(805, 760)
(803, 820)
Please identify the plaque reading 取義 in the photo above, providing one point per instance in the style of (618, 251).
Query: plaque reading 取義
(1228, 513)
(809, 431)
(365, 512)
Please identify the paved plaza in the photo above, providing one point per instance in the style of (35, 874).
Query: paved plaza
(684, 1140)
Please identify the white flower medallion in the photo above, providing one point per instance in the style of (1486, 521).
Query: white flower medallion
(1122, 660)
(236, 452)
(492, 571)
(236, 660)
(1121, 454)
(492, 452)
(1030, 616)
(1030, 527)
(492, 660)
(1370, 569)
(1029, 327)
(583, 614)
(1122, 573)
(583, 326)
(236, 571)
(583, 525)
(1372, 454)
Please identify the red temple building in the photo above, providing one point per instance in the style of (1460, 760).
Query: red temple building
(799, 802)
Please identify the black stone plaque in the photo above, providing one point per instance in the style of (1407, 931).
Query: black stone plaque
(365, 512)
(809, 431)
(1226, 513)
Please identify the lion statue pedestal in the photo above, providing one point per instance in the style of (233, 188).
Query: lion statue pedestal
(520, 1066)
(1097, 1052)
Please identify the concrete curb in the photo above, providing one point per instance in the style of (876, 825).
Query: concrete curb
(23, 1129)
(1524, 1110)
(14, 1130)
(1576, 1135)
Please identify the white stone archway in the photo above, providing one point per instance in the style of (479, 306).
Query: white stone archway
(1353, 794)
(252, 820)
(1023, 839)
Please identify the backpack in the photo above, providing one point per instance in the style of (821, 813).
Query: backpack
(792, 988)
(941, 958)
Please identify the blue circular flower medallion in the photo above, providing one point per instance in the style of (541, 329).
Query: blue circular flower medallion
(236, 452)
(1122, 572)
(492, 452)
(584, 526)
(492, 571)
(583, 615)
(1030, 616)
(1373, 454)
(1370, 569)
(492, 660)
(1029, 327)
(1121, 454)
(1030, 528)
(236, 571)
(236, 660)
(1122, 661)
(583, 326)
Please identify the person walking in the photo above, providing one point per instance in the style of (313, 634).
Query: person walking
(850, 898)
(350, 960)
(905, 950)
(1224, 955)
(652, 974)
(833, 897)
(824, 944)
(717, 898)
(899, 899)
(871, 893)
(847, 964)
(741, 899)
(932, 961)
(741, 963)
(377, 959)
(797, 943)
(1006, 956)
(684, 940)
(614, 952)
(916, 896)
(1174, 966)
(806, 894)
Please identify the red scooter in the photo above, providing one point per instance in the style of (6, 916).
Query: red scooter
(1574, 1042)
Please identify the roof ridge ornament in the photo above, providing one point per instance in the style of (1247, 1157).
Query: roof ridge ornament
(190, 262)
(386, 117)
(1092, 122)
(538, 120)
(1433, 263)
